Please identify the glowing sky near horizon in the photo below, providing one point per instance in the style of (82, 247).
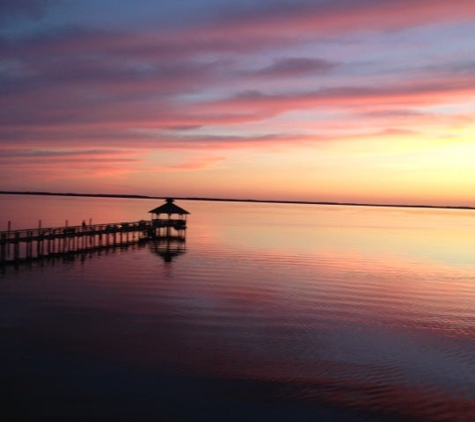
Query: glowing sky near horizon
(320, 100)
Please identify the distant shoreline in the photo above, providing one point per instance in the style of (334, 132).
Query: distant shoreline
(266, 201)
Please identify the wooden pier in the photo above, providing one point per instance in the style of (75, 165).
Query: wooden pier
(28, 244)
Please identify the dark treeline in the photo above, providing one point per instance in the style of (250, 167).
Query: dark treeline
(269, 201)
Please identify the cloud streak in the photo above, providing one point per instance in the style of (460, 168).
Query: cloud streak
(345, 16)
(81, 89)
(294, 66)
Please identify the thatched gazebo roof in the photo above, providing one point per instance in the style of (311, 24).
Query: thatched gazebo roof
(169, 208)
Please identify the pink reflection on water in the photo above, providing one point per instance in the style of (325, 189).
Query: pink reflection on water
(342, 306)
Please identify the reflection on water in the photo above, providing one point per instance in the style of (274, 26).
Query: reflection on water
(275, 312)
(168, 249)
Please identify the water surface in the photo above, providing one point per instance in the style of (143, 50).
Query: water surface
(274, 312)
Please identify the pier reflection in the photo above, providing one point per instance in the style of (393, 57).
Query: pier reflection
(70, 257)
(168, 248)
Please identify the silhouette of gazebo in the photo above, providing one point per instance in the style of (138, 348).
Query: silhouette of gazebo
(174, 217)
(169, 208)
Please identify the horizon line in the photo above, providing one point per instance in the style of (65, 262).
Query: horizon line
(270, 201)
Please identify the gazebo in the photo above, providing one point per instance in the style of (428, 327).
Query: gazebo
(168, 209)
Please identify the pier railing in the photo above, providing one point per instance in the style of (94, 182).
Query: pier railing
(49, 241)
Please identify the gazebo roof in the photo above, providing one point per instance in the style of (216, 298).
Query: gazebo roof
(169, 208)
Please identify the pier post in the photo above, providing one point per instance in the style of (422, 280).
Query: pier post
(3, 247)
(39, 240)
(64, 240)
(16, 247)
(9, 227)
(28, 245)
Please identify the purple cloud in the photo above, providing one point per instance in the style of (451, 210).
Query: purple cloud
(295, 66)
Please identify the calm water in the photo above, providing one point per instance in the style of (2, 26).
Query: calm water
(274, 312)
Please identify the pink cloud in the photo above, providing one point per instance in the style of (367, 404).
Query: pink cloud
(83, 88)
(67, 161)
(415, 94)
(338, 17)
(141, 123)
(261, 21)
(132, 79)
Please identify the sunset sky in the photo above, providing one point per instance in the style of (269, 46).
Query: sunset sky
(314, 100)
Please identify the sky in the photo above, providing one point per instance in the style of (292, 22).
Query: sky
(315, 100)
